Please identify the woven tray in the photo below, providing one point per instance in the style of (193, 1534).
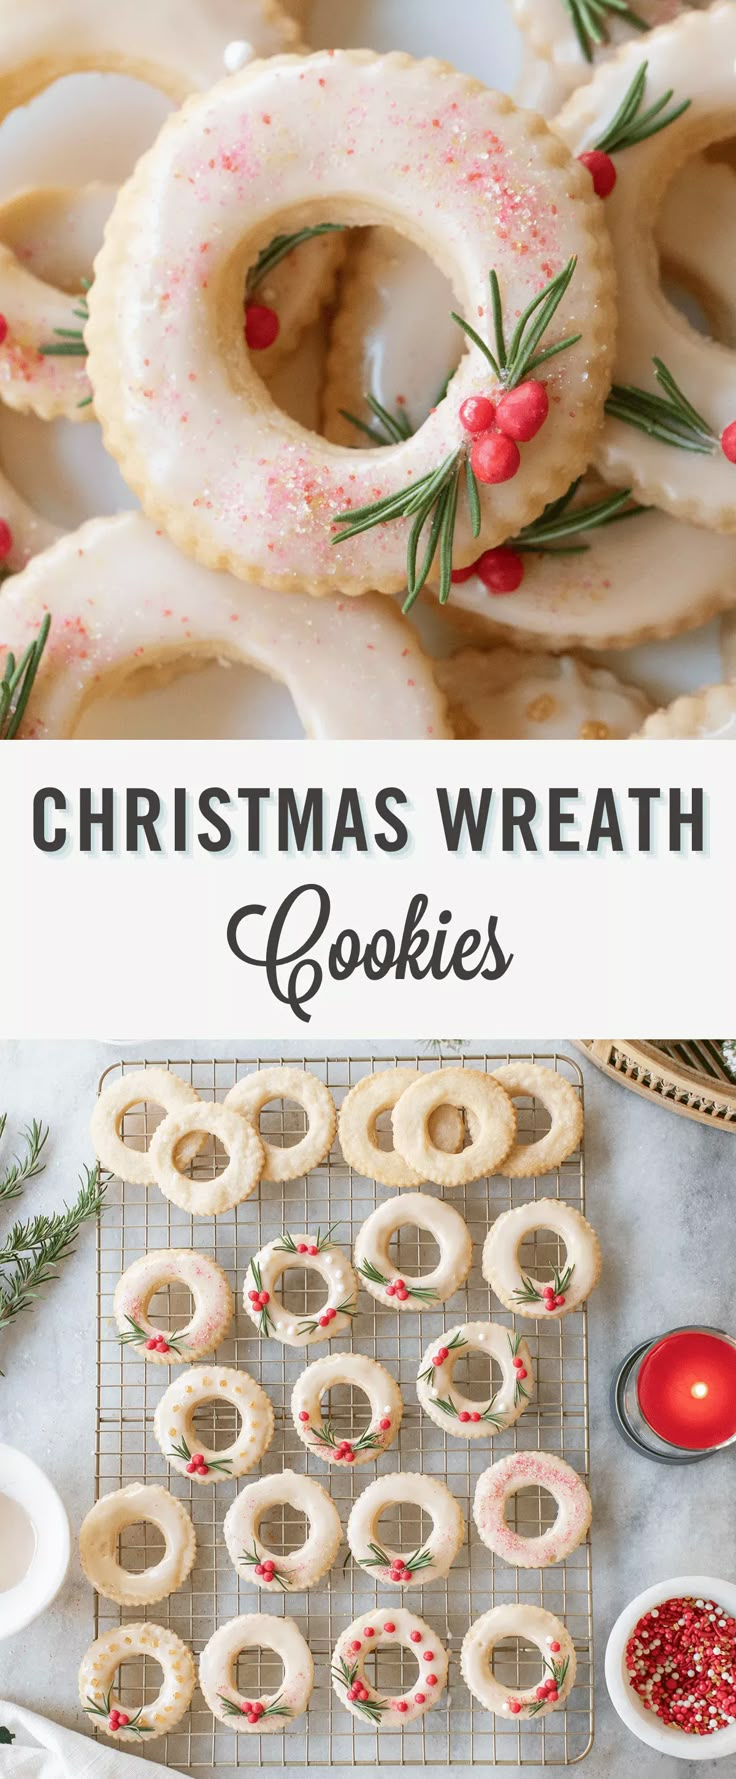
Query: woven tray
(685, 1074)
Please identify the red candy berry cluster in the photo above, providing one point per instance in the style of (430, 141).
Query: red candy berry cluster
(307, 1248)
(552, 1300)
(518, 1364)
(252, 1709)
(439, 1357)
(547, 1693)
(266, 1568)
(259, 1299)
(397, 1288)
(118, 1720)
(157, 1344)
(197, 1465)
(398, 1572)
(681, 1661)
(327, 1317)
(498, 428)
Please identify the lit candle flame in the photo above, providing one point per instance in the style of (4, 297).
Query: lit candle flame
(699, 1390)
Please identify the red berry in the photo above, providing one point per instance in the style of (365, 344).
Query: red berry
(406, 1574)
(601, 170)
(501, 570)
(559, 1302)
(390, 1290)
(303, 1415)
(324, 1321)
(442, 1354)
(464, 1415)
(728, 442)
(350, 1457)
(420, 1698)
(151, 1345)
(514, 1706)
(191, 1469)
(354, 1647)
(389, 1627)
(261, 326)
(522, 411)
(521, 1371)
(415, 1636)
(477, 414)
(253, 1296)
(541, 1692)
(462, 574)
(302, 1248)
(368, 1631)
(431, 1679)
(495, 458)
(259, 1569)
(3, 329)
(123, 1719)
(555, 1648)
(517, 1363)
(401, 1293)
(198, 1458)
(475, 1415)
(401, 1705)
(384, 1425)
(264, 1298)
(400, 1285)
(428, 1655)
(313, 1249)
(162, 1345)
(252, 1716)
(330, 1314)
(203, 1469)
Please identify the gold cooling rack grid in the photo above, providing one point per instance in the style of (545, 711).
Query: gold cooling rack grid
(457, 1732)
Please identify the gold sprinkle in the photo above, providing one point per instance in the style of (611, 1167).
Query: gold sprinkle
(594, 732)
(541, 709)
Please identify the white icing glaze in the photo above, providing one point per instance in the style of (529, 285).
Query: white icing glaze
(373, 1256)
(122, 1644)
(696, 237)
(560, 1101)
(529, 1470)
(497, 694)
(98, 1542)
(549, 30)
(265, 1272)
(254, 1091)
(122, 598)
(258, 153)
(543, 85)
(704, 716)
(295, 1570)
(240, 1177)
(501, 1258)
(359, 1113)
(530, 1624)
(218, 1669)
(384, 1398)
(173, 1422)
(466, 1417)
(211, 1314)
(55, 231)
(158, 1087)
(377, 1630)
(437, 1552)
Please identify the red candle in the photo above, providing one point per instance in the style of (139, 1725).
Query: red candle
(687, 1389)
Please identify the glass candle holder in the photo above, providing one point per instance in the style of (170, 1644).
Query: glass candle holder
(674, 1398)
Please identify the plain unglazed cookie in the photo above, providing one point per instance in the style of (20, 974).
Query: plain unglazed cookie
(379, 1630)
(357, 1122)
(122, 599)
(465, 1417)
(175, 1430)
(464, 174)
(495, 694)
(159, 1087)
(98, 1544)
(394, 1287)
(564, 1107)
(238, 1179)
(433, 1556)
(700, 716)
(528, 1624)
(574, 1278)
(212, 1305)
(253, 1092)
(218, 1665)
(97, 1674)
(532, 1470)
(384, 1402)
(289, 1571)
(475, 1093)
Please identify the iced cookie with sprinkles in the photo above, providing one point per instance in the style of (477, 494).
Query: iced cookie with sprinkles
(467, 1417)
(427, 1560)
(700, 716)
(99, 1669)
(532, 1470)
(397, 1288)
(529, 1624)
(573, 1278)
(373, 1381)
(496, 693)
(262, 1291)
(495, 199)
(379, 1630)
(159, 1269)
(175, 1430)
(218, 1665)
(292, 1570)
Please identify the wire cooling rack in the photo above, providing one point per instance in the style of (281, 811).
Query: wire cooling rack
(457, 1731)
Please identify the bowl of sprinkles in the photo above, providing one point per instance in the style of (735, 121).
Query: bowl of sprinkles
(671, 1667)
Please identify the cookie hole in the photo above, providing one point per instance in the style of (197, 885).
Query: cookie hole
(283, 1123)
(391, 1670)
(404, 1526)
(531, 1511)
(216, 1425)
(446, 1129)
(541, 1254)
(102, 122)
(414, 1251)
(258, 1673)
(189, 697)
(140, 1546)
(283, 1528)
(348, 1409)
(136, 1682)
(477, 1376)
(302, 1290)
(694, 266)
(516, 1663)
(171, 1308)
(139, 1123)
(533, 1119)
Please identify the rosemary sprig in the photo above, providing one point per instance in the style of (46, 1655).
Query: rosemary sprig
(275, 1709)
(391, 429)
(630, 124)
(137, 1337)
(182, 1451)
(36, 1250)
(16, 684)
(349, 1308)
(94, 1709)
(592, 21)
(280, 246)
(264, 1318)
(380, 1559)
(458, 1340)
(26, 1166)
(520, 1393)
(423, 1293)
(670, 418)
(287, 1245)
(326, 1435)
(546, 535)
(68, 342)
(512, 364)
(449, 1408)
(530, 1294)
(254, 1558)
(345, 1675)
(557, 1672)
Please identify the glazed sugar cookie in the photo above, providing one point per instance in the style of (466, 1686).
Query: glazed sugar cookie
(366, 1375)
(211, 1314)
(100, 1667)
(475, 1093)
(262, 1299)
(359, 1113)
(694, 60)
(529, 1624)
(207, 1198)
(98, 1543)
(218, 1665)
(524, 1470)
(696, 237)
(378, 1630)
(402, 1290)
(542, 85)
(293, 1570)
(249, 1097)
(549, 29)
(497, 694)
(558, 1096)
(573, 1280)
(173, 1423)
(353, 667)
(706, 716)
(463, 1416)
(427, 1561)
(282, 505)
(56, 230)
(157, 1087)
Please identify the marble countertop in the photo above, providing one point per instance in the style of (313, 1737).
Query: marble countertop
(660, 1194)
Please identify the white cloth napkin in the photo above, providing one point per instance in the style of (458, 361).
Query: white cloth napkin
(43, 1750)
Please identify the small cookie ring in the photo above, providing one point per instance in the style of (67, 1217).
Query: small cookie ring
(155, 1086)
(249, 1096)
(218, 1671)
(100, 1666)
(98, 1542)
(173, 1423)
(263, 1303)
(211, 1315)
(293, 1569)
(427, 1561)
(462, 1416)
(530, 1624)
(524, 1470)
(378, 1271)
(359, 1112)
(206, 1198)
(477, 1094)
(379, 1630)
(560, 1100)
(363, 1374)
(572, 1282)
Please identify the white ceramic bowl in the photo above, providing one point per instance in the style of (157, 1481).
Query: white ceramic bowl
(650, 1729)
(22, 1481)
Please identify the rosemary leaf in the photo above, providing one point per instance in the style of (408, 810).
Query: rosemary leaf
(558, 522)
(591, 23)
(16, 684)
(630, 124)
(26, 1166)
(283, 245)
(670, 418)
(39, 1266)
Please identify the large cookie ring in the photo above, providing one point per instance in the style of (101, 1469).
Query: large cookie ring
(263, 1303)
(530, 1624)
(359, 1113)
(573, 1280)
(211, 1314)
(397, 1289)
(378, 1630)
(98, 1544)
(696, 237)
(429, 1560)
(472, 1091)
(100, 1666)
(560, 1101)
(464, 1417)
(465, 175)
(207, 1198)
(173, 1423)
(253, 1092)
(218, 1672)
(384, 1397)
(695, 59)
(524, 1470)
(293, 1570)
(146, 1086)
